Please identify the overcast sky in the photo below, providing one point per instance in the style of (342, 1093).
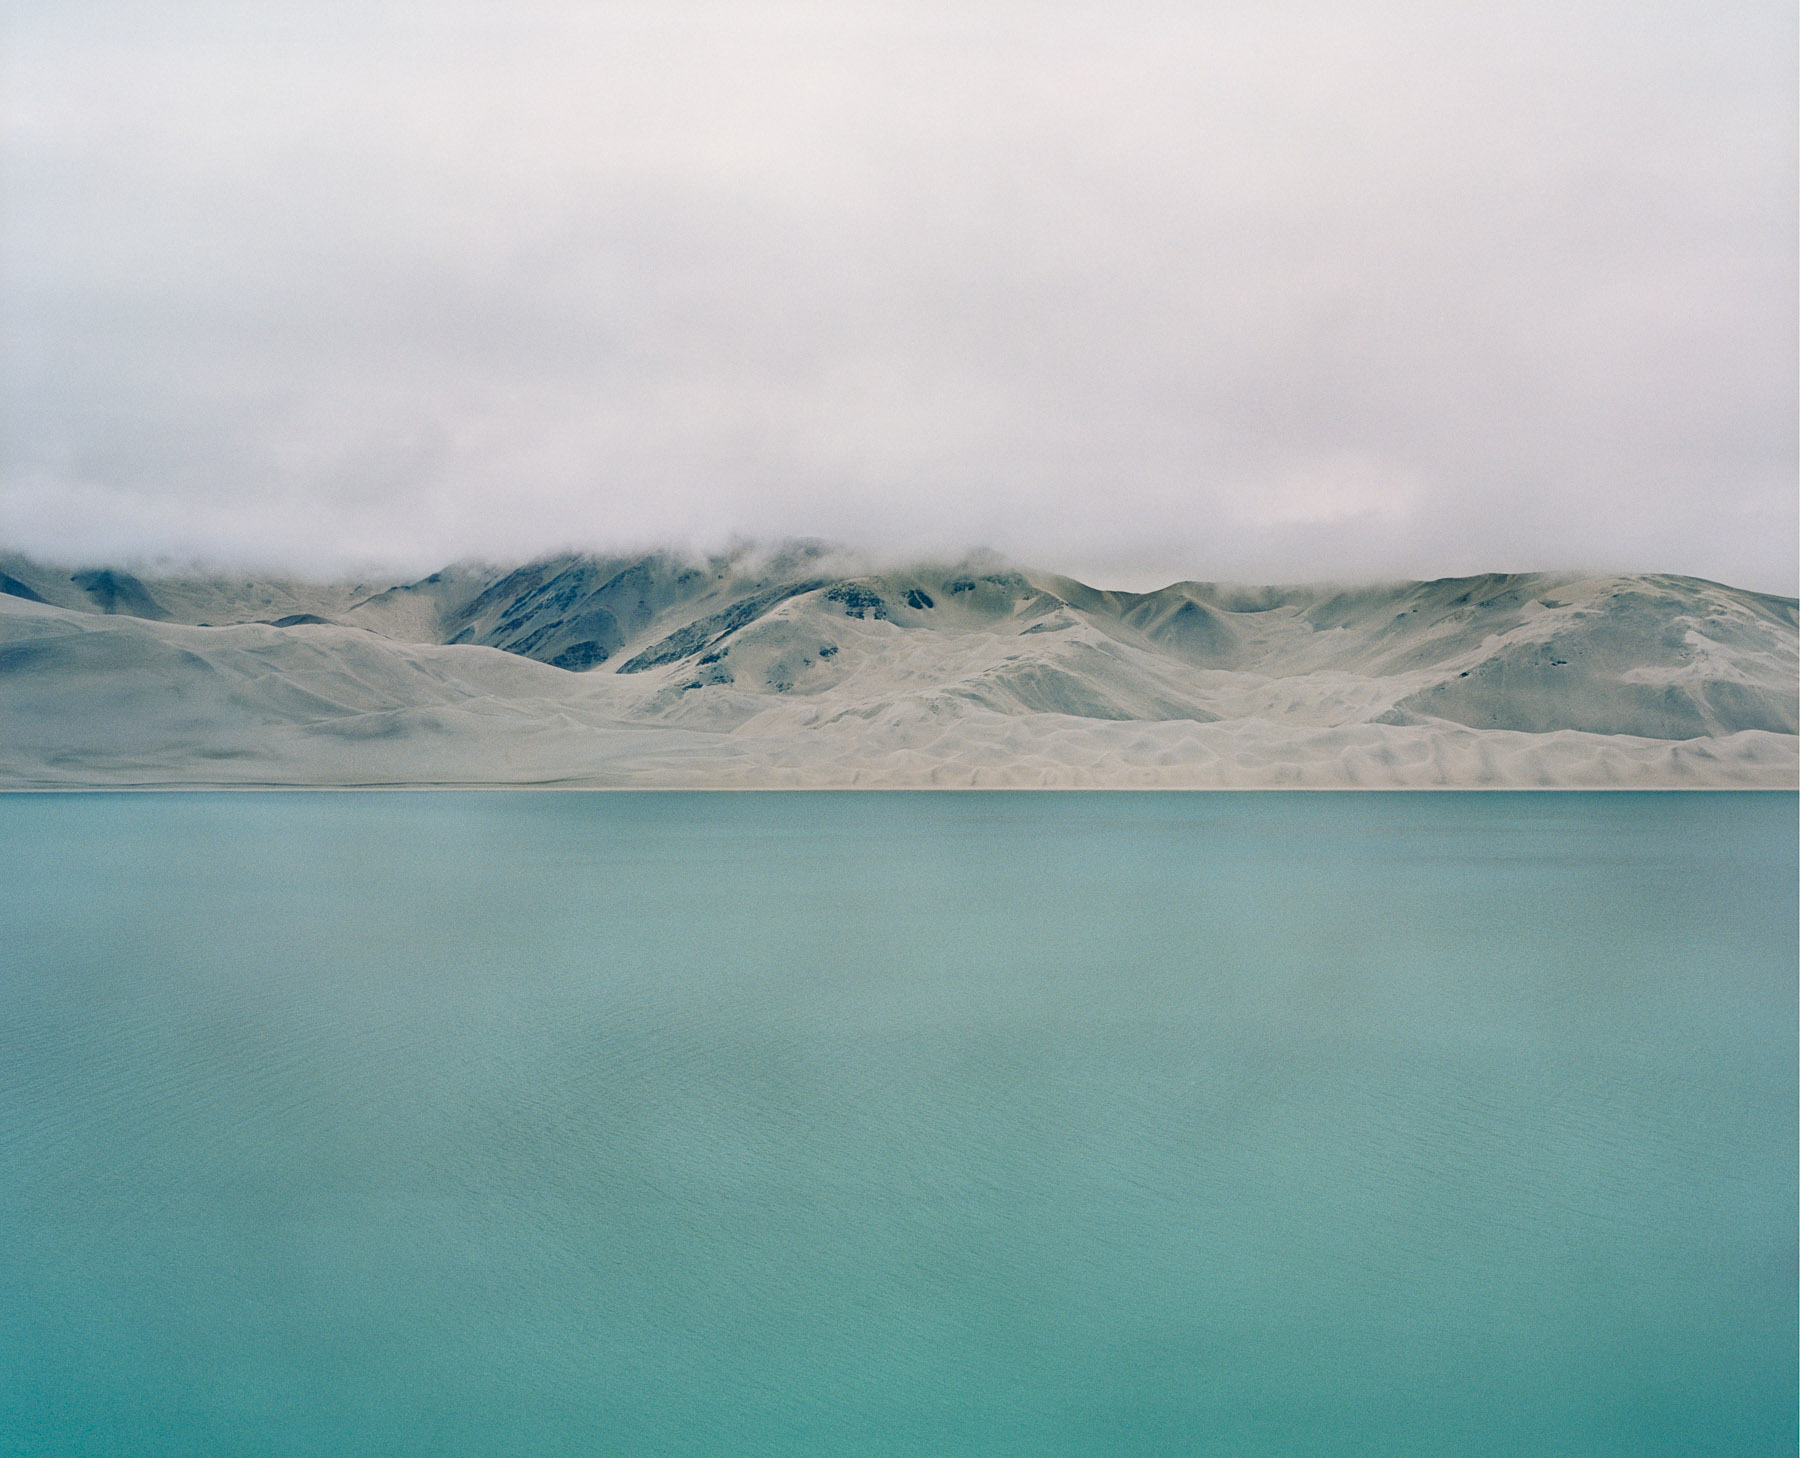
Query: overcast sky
(1138, 291)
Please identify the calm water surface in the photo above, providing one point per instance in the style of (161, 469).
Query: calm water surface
(898, 1124)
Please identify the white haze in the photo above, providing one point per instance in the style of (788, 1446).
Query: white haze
(1134, 291)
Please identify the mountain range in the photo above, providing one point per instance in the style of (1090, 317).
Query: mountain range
(803, 666)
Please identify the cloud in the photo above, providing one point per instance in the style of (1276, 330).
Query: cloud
(1143, 291)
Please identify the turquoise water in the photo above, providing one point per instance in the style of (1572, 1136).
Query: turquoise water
(898, 1124)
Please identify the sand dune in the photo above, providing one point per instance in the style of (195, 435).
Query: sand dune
(795, 668)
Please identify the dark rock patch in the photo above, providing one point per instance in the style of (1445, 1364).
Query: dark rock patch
(858, 601)
(119, 592)
(578, 657)
(12, 587)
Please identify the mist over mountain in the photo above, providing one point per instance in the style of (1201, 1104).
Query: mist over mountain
(801, 664)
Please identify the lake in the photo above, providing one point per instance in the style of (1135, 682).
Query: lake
(898, 1124)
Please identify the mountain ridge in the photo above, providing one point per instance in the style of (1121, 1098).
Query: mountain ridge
(802, 665)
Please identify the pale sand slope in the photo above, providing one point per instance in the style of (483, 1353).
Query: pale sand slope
(783, 671)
